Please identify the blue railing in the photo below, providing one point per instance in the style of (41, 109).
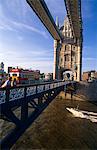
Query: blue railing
(20, 92)
(37, 96)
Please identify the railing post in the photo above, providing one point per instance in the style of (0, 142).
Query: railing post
(24, 107)
(7, 94)
(40, 100)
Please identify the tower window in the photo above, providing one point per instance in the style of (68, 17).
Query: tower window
(65, 28)
(61, 60)
(66, 57)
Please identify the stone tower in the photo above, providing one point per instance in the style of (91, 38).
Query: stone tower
(67, 54)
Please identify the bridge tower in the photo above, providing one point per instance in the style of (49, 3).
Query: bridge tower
(67, 53)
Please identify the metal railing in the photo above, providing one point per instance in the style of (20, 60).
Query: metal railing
(35, 97)
(14, 93)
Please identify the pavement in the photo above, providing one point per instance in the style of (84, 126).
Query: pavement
(58, 129)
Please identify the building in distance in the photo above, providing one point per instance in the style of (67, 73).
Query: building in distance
(24, 76)
(89, 76)
(49, 76)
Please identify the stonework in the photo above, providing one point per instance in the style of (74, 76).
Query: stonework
(67, 54)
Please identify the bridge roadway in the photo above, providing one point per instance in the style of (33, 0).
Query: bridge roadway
(37, 96)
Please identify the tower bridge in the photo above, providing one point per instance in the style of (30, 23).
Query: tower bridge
(67, 59)
(67, 39)
(36, 97)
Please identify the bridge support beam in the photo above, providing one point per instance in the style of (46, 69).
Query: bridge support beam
(41, 101)
(42, 11)
(57, 46)
(79, 64)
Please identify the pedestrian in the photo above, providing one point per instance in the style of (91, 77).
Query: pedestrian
(14, 83)
(7, 83)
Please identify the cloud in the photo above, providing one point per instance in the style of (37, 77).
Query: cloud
(8, 23)
(17, 8)
(37, 59)
(42, 65)
(21, 26)
(30, 54)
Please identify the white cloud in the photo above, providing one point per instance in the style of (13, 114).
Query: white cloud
(43, 66)
(7, 23)
(17, 7)
(28, 27)
(37, 59)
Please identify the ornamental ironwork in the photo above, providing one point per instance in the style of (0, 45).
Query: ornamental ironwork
(31, 91)
(16, 94)
(47, 87)
(51, 86)
(2, 96)
(40, 88)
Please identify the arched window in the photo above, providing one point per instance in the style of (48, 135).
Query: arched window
(61, 60)
(68, 34)
(74, 48)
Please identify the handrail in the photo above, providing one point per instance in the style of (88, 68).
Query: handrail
(16, 93)
(27, 85)
(20, 92)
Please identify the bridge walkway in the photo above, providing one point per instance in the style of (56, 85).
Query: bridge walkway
(56, 128)
(36, 97)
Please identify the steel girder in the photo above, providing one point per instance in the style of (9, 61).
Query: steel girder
(73, 8)
(42, 11)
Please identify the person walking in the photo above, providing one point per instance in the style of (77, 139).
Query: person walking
(14, 83)
(7, 83)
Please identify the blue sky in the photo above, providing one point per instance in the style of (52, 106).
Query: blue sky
(25, 42)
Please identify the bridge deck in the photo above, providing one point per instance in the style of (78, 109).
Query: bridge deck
(56, 128)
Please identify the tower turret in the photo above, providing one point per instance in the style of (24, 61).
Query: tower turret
(57, 22)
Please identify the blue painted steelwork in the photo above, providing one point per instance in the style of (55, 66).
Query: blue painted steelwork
(75, 22)
(22, 96)
(39, 7)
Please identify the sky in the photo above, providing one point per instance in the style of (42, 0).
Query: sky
(25, 42)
